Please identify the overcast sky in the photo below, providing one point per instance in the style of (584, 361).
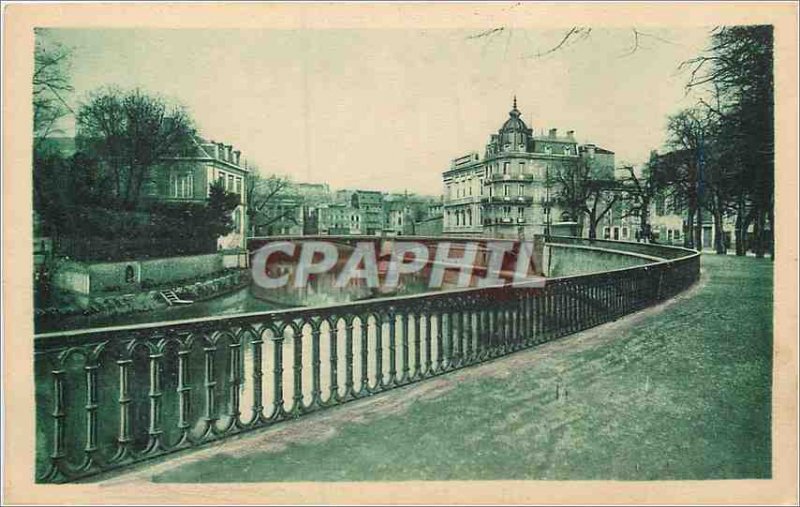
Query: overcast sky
(389, 109)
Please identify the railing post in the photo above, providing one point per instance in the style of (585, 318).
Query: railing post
(456, 334)
(428, 347)
(405, 326)
(211, 385)
(184, 391)
(91, 411)
(378, 351)
(467, 357)
(439, 347)
(154, 429)
(277, 377)
(258, 381)
(124, 439)
(348, 379)
(316, 363)
(333, 357)
(297, 369)
(392, 317)
(59, 414)
(364, 332)
(235, 381)
(417, 344)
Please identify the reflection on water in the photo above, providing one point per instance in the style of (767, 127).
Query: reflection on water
(240, 301)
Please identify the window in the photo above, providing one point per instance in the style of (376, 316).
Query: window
(505, 167)
(624, 233)
(567, 150)
(469, 217)
(130, 274)
(548, 150)
(521, 190)
(505, 190)
(506, 210)
(229, 188)
(522, 167)
(181, 185)
(239, 186)
(521, 211)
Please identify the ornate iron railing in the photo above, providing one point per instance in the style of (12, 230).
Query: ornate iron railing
(110, 397)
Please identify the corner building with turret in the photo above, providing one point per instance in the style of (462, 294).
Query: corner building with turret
(505, 193)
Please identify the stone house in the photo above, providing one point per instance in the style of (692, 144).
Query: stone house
(508, 191)
(188, 178)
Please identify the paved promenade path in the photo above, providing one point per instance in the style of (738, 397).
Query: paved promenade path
(679, 391)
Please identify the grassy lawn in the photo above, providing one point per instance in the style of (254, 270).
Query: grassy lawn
(683, 393)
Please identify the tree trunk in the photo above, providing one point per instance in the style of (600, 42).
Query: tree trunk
(644, 223)
(719, 234)
(740, 251)
(698, 230)
(688, 236)
(759, 234)
(741, 228)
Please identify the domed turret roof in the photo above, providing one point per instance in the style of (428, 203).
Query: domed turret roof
(514, 122)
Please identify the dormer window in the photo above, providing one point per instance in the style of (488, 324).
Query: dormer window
(548, 150)
(567, 150)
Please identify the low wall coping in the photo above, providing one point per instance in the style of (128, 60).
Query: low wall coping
(607, 250)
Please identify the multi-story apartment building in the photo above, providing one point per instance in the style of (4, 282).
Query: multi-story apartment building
(370, 205)
(337, 219)
(505, 193)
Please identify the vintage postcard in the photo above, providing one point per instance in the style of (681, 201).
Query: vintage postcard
(401, 253)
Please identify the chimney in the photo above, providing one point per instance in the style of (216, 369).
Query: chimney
(221, 151)
(229, 153)
(571, 135)
(236, 155)
(553, 133)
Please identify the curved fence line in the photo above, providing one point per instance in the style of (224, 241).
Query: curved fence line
(107, 398)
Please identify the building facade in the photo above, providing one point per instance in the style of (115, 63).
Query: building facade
(188, 178)
(508, 192)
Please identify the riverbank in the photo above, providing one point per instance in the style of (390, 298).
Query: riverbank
(113, 309)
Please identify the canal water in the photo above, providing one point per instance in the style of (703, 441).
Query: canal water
(240, 301)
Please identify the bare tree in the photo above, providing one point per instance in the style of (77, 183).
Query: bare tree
(571, 36)
(270, 201)
(737, 69)
(585, 196)
(688, 133)
(638, 195)
(50, 85)
(131, 132)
